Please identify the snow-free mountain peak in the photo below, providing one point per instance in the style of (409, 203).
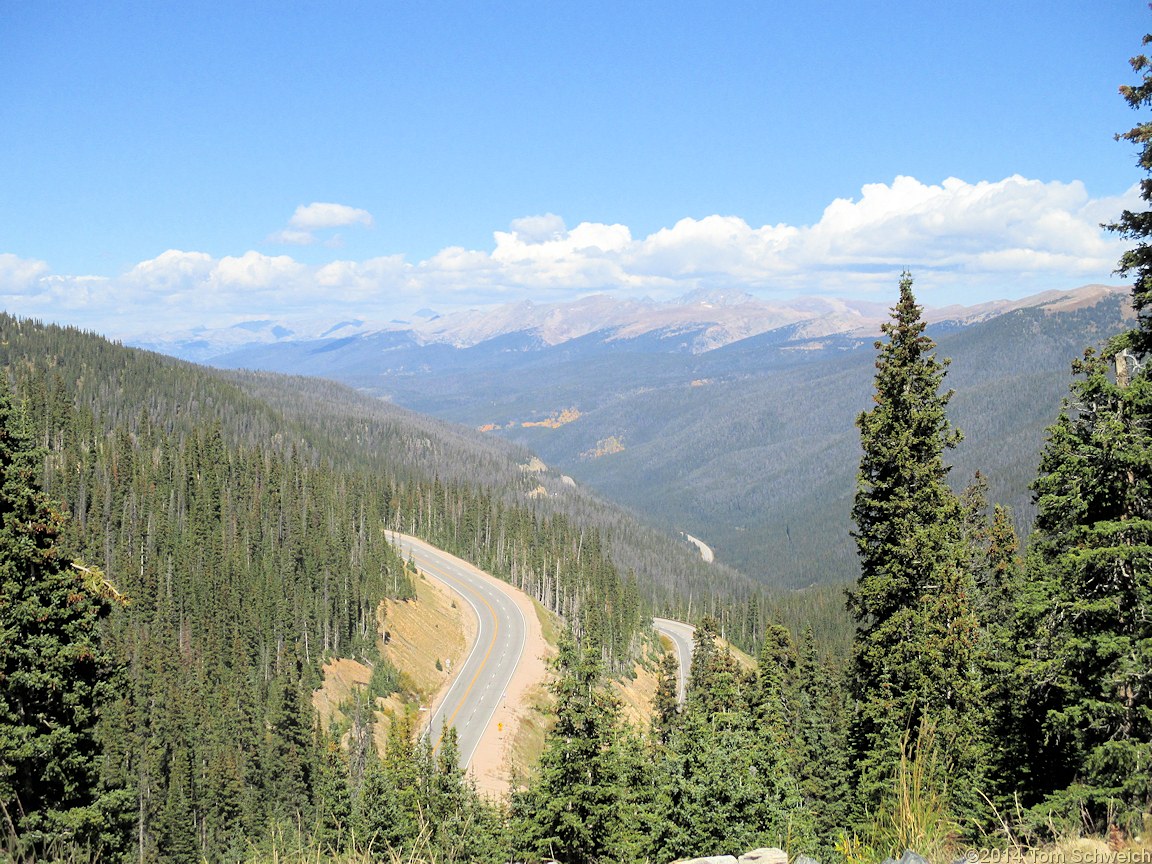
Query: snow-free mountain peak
(707, 319)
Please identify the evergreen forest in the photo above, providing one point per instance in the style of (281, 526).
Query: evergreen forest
(181, 550)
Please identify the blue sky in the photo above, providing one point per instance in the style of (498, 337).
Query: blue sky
(165, 165)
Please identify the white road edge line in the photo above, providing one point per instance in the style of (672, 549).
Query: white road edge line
(416, 542)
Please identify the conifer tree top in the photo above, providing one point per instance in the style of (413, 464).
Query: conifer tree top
(902, 498)
(1132, 225)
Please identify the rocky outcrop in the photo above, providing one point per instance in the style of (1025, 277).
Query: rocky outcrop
(909, 857)
(773, 855)
(770, 855)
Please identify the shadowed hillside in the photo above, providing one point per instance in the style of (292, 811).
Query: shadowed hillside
(750, 446)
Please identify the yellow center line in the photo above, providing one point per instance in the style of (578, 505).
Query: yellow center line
(428, 568)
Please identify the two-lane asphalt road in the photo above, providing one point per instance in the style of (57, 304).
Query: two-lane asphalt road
(479, 683)
(681, 636)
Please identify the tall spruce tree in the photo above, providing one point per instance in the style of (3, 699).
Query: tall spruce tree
(54, 673)
(1085, 612)
(573, 810)
(913, 652)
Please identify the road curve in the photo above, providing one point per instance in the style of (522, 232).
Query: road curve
(479, 684)
(681, 636)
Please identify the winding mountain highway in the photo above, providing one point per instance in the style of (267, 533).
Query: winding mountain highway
(681, 636)
(480, 683)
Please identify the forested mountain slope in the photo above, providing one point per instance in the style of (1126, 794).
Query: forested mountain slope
(762, 467)
(244, 559)
(376, 435)
(751, 446)
(670, 576)
(251, 547)
(356, 431)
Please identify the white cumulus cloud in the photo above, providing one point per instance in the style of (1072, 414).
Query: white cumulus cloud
(309, 217)
(18, 274)
(964, 242)
(254, 271)
(170, 272)
(319, 216)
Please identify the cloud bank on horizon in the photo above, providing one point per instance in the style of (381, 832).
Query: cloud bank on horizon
(964, 243)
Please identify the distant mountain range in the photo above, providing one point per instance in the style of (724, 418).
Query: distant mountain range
(712, 318)
(719, 415)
